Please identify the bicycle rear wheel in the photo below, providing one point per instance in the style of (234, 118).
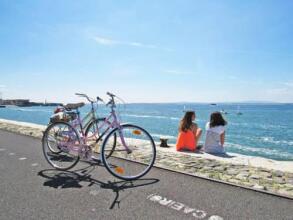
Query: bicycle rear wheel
(134, 154)
(58, 139)
(51, 141)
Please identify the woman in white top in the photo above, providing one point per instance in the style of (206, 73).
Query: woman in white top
(215, 134)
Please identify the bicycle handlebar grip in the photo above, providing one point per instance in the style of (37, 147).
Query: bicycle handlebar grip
(99, 99)
(110, 94)
(80, 94)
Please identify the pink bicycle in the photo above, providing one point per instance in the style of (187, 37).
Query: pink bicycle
(127, 151)
(86, 126)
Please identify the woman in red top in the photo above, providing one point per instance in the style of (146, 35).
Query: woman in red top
(189, 133)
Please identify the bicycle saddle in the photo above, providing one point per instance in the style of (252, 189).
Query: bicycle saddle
(71, 106)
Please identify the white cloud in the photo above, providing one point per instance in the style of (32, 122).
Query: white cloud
(105, 41)
(288, 84)
(177, 72)
(110, 42)
(137, 44)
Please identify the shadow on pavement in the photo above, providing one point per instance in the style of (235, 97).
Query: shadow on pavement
(73, 179)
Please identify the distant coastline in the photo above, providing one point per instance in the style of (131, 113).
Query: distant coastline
(25, 103)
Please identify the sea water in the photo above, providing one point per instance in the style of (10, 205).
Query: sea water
(264, 130)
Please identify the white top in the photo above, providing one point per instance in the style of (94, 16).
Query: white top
(213, 139)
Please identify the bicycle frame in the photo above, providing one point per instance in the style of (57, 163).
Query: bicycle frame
(82, 123)
(111, 122)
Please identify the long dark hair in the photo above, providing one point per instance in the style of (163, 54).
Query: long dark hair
(217, 120)
(186, 121)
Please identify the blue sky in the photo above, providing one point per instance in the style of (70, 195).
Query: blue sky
(147, 51)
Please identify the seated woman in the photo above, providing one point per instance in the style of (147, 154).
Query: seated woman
(215, 134)
(189, 133)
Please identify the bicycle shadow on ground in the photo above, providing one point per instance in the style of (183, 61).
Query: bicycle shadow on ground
(73, 179)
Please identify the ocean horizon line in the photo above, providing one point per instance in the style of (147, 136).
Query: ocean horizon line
(170, 102)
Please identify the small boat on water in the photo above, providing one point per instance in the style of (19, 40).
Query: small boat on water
(238, 111)
(224, 112)
(2, 106)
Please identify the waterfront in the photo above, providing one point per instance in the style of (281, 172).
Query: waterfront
(264, 130)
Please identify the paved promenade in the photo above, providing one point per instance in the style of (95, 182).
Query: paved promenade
(30, 189)
(252, 172)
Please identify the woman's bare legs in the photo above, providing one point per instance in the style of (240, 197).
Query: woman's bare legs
(197, 133)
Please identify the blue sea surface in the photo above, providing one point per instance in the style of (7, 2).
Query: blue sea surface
(264, 130)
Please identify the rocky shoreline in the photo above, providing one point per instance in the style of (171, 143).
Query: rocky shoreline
(251, 172)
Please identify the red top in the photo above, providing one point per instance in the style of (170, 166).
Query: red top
(185, 141)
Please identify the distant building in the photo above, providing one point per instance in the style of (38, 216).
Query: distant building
(18, 102)
(25, 103)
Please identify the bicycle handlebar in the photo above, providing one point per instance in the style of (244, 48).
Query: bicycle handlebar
(110, 94)
(112, 102)
(99, 99)
(85, 96)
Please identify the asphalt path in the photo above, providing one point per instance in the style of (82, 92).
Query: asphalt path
(31, 189)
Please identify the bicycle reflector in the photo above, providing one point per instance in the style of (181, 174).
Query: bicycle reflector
(136, 132)
(119, 170)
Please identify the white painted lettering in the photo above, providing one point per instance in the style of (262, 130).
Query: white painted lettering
(155, 198)
(150, 196)
(215, 217)
(177, 206)
(171, 203)
(165, 201)
(199, 214)
(188, 210)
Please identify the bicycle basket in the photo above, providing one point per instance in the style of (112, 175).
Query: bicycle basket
(60, 117)
(59, 109)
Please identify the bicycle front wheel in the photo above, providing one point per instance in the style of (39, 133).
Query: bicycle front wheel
(58, 140)
(134, 154)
